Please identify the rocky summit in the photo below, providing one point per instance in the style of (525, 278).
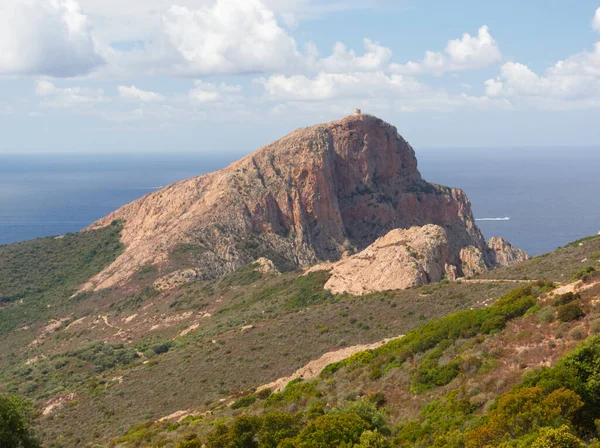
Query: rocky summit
(316, 195)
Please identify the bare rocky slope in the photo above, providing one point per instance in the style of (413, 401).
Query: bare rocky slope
(312, 196)
(404, 258)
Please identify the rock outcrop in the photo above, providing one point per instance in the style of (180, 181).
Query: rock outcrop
(266, 266)
(472, 261)
(401, 259)
(411, 257)
(312, 196)
(176, 279)
(501, 253)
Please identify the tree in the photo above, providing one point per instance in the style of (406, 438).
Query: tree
(276, 427)
(15, 430)
(557, 438)
(373, 439)
(523, 411)
(332, 430)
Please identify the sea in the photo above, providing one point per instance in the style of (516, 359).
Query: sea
(537, 198)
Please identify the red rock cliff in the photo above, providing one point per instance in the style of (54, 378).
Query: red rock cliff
(306, 198)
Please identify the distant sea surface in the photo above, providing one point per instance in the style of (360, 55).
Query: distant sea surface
(538, 199)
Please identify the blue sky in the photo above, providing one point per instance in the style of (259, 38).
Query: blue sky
(232, 75)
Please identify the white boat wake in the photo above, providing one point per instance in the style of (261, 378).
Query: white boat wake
(493, 219)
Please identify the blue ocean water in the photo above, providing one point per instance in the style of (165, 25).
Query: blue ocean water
(552, 196)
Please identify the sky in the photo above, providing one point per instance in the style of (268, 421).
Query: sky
(218, 76)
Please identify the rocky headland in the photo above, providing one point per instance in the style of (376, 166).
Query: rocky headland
(350, 188)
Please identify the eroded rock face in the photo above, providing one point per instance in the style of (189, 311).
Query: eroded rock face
(472, 261)
(411, 257)
(502, 253)
(401, 259)
(266, 266)
(298, 201)
(176, 279)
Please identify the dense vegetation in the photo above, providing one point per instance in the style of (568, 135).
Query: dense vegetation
(551, 407)
(436, 336)
(41, 272)
(128, 355)
(15, 429)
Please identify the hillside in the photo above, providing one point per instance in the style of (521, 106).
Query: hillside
(521, 372)
(314, 195)
(214, 290)
(111, 359)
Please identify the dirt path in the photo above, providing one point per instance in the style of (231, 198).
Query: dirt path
(490, 280)
(314, 368)
(105, 319)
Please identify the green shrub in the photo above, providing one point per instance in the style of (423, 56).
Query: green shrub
(532, 311)
(264, 394)
(48, 271)
(245, 275)
(242, 433)
(595, 326)
(105, 356)
(430, 373)
(244, 402)
(438, 423)
(546, 314)
(369, 412)
(15, 430)
(378, 399)
(463, 324)
(557, 438)
(561, 331)
(584, 274)
(332, 430)
(164, 347)
(521, 412)
(570, 312)
(276, 427)
(578, 333)
(579, 371)
(566, 298)
(295, 391)
(300, 292)
(190, 441)
(247, 431)
(373, 439)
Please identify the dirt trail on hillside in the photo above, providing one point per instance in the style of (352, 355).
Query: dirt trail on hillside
(491, 280)
(314, 368)
(574, 287)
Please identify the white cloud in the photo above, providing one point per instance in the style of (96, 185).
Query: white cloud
(69, 96)
(235, 37)
(375, 91)
(6, 109)
(571, 83)
(45, 88)
(133, 93)
(231, 36)
(205, 92)
(343, 60)
(134, 20)
(326, 86)
(596, 21)
(49, 37)
(468, 52)
(473, 52)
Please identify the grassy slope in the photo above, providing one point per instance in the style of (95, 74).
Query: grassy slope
(41, 274)
(293, 321)
(559, 266)
(424, 409)
(484, 359)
